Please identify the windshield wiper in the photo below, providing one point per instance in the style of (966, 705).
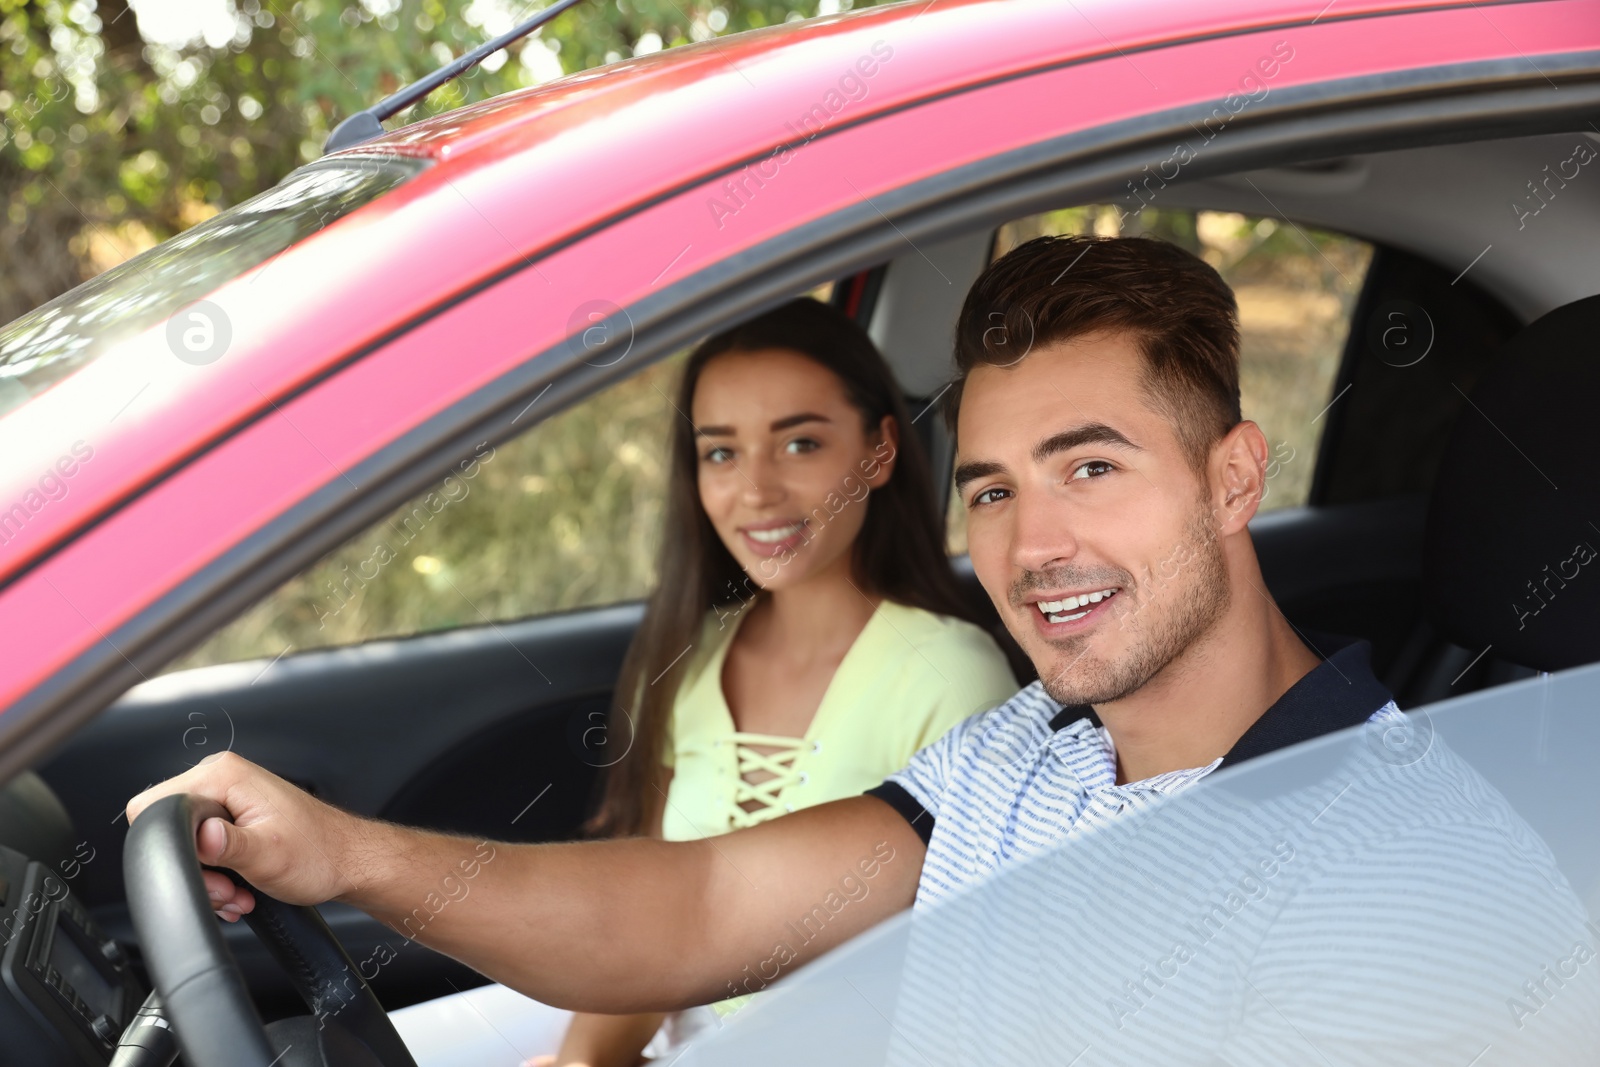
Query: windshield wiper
(365, 125)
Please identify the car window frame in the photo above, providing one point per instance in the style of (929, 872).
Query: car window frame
(1462, 102)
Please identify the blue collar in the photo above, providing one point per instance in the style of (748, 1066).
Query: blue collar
(1339, 692)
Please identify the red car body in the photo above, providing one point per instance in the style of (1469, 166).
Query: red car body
(621, 199)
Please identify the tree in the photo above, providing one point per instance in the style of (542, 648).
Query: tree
(113, 138)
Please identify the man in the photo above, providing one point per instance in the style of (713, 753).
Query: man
(1108, 479)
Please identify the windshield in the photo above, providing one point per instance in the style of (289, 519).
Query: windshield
(1402, 893)
(55, 339)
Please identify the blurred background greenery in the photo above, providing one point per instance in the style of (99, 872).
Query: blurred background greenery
(123, 123)
(566, 515)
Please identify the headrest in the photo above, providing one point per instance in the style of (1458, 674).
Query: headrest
(1512, 547)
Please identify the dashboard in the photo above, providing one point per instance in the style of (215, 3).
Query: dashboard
(70, 990)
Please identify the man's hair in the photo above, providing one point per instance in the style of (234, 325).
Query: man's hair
(1180, 312)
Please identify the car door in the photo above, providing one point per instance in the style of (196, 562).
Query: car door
(339, 457)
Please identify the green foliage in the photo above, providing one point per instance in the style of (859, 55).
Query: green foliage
(111, 141)
(566, 515)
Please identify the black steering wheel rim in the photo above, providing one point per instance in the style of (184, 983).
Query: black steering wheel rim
(202, 989)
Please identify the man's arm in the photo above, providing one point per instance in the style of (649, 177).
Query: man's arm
(596, 1040)
(608, 926)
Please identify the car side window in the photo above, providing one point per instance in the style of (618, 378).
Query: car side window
(564, 516)
(1297, 289)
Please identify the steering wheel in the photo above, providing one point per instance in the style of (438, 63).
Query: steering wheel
(200, 984)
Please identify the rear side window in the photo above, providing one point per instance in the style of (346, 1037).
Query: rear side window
(55, 339)
(566, 515)
(1297, 289)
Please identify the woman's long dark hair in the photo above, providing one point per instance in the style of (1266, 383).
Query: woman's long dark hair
(899, 553)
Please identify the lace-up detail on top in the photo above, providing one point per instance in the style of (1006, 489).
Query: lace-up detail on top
(778, 761)
(883, 703)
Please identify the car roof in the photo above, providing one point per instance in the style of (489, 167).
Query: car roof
(742, 75)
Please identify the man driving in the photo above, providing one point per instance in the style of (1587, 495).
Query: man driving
(1108, 479)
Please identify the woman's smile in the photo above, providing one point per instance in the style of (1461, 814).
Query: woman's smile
(774, 537)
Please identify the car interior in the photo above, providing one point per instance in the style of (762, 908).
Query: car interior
(1421, 266)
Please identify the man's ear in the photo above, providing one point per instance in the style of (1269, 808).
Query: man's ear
(886, 449)
(1238, 477)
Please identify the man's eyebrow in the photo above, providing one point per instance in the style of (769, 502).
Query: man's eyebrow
(777, 424)
(1094, 433)
(971, 472)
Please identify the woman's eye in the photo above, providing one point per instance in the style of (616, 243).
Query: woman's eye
(718, 455)
(1095, 468)
(989, 496)
(801, 445)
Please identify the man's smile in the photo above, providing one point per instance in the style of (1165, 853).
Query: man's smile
(1056, 614)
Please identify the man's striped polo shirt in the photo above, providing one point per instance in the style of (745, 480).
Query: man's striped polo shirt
(1031, 773)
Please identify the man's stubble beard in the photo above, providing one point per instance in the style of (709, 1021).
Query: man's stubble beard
(1168, 617)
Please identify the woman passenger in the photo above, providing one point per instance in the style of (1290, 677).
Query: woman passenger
(807, 635)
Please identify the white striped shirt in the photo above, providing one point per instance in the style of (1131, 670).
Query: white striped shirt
(1012, 782)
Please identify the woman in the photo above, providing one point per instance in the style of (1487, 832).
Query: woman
(807, 634)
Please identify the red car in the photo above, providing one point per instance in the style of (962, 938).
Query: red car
(188, 432)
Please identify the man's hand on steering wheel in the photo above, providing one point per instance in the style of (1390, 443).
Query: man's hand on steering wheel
(282, 840)
(198, 984)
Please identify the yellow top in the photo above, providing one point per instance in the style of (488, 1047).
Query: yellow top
(908, 678)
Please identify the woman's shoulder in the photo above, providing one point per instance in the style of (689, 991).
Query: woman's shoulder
(947, 669)
(923, 628)
(969, 660)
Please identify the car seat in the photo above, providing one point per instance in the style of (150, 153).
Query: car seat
(1511, 564)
